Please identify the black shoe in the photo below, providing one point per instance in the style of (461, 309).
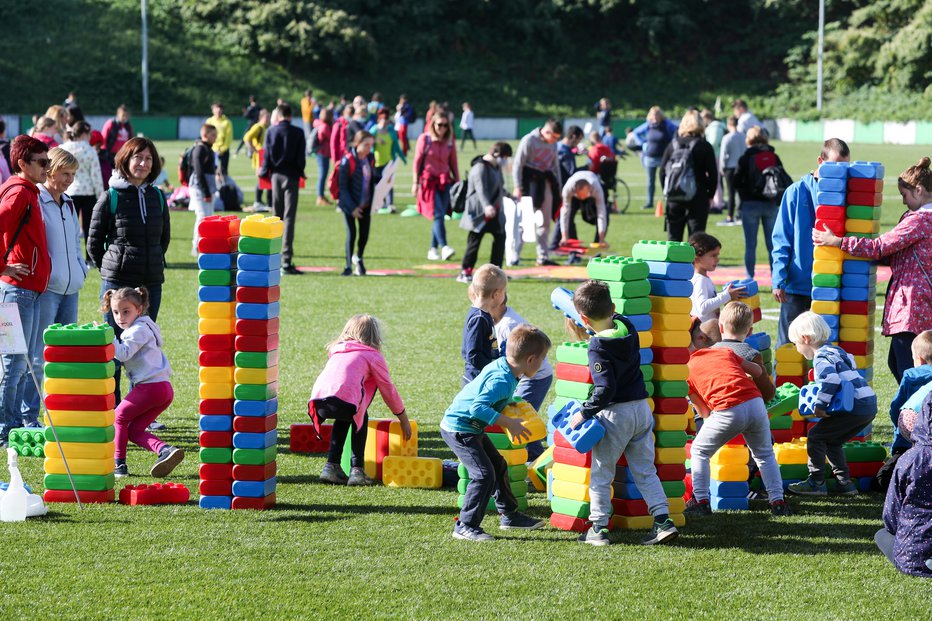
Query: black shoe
(359, 266)
(169, 457)
(546, 263)
(120, 471)
(347, 271)
(157, 426)
(573, 259)
(780, 508)
(697, 507)
(291, 270)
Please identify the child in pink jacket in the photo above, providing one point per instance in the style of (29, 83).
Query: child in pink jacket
(344, 390)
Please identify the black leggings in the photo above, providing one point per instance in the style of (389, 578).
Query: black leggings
(730, 182)
(467, 135)
(342, 413)
(259, 192)
(473, 240)
(351, 222)
(84, 205)
(692, 215)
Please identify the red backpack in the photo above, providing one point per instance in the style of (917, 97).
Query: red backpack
(335, 175)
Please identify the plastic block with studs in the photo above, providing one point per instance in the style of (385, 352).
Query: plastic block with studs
(257, 245)
(785, 401)
(731, 454)
(574, 353)
(572, 390)
(525, 412)
(833, 170)
(27, 442)
(729, 472)
(670, 288)
(629, 289)
(616, 268)
(155, 494)
(670, 322)
(258, 262)
(866, 170)
(675, 305)
(262, 227)
(842, 401)
(759, 340)
(412, 471)
(582, 438)
(669, 251)
(670, 271)
(74, 335)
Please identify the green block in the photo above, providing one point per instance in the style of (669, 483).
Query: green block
(255, 245)
(767, 355)
(647, 371)
(27, 441)
(864, 235)
(862, 212)
(573, 390)
(84, 335)
(80, 370)
(80, 434)
(574, 353)
(573, 508)
(254, 457)
(654, 250)
(214, 278)
(673, 489)
(256, 359)
(670, 439)
(768, 368)
(255, 392)
(794, 471)
(629, 289)
(671, 389)
(632, 306)
(781, 423)
(216, 455)
(649, 387)
(560, 402)
(346, 461)
(617, 269)
(522, 503)
(785, 401)
(864, 451)
(518, 488)
(517, 472)
(827, 280)
(501, 442)
(84, 482)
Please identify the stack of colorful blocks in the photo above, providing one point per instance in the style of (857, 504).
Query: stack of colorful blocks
(729, 473)
(255, 375)
(217, 240)
(864, 461)
(79, 389)
(568, 478)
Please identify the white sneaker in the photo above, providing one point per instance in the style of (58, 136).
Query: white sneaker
(433, 255)
(446, 252)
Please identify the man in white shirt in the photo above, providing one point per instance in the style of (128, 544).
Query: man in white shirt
(466, 126)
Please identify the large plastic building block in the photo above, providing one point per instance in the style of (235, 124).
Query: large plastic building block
(215, 455)
(572, 390)
(214, 487)
(156, 494)
(670, 372)
(207, 293)
(254, 472)
(632, 306)
(525, 412)
(830, 198)
(731, 454)
(641, 322)
(826, 294)
(728, 504)
(823, 307)
(862, 226)
(258, 262)
(214, 326)
(256, 360)
(87, 497)
(215, 359)
(255, 408)
(842, 401)
(78, 434)
(569, 523)
(216, 245)
(630, 288)
(837, 227)
(258, 279)
(791, 453)
(214, 278)
(259, 504)
(862, 212)
(833, 170)
(562, 299)
(670, 271)
(215, 502)
(263, 227)
(859, 280)
(27, 442)
(410, 471)
(215, 423)
(785, 401)
(255, 392)
(749, 284)
(253, 457)
(671, 405)
(573, 372)
(673, 455)
(215, 262)
(865, 452)
(255, 424)
(74, 335)
(616, 269)
(827, 266)
(258, 295)
(257, 311)
(87, 353)
(573, 508)
(856, 184)
(255, 440)
(674, 305)
(832, 184)
(85, 418)
(215, 310)
(257, 327)
(85, 482)
(256, 245)
(100, 466)
(759, 340)
(670, 288)
(671, 355)
(91, 387)
(653, 250)
(248, 375)
(729, 472)
(254, 489)
(574, 353)
(569, 490)
(865, 170)
(728, 489)
(219, 226)
(256, 343)
(215, 375)
(667, 322)
(670, 338)
(830, 212)
(219, 472)
(584, 437)
(514, 457)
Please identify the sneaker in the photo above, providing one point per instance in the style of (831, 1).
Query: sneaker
(333, 473)
(358, 477)
(780, 508)
(514, 263)
(157, 426)
(32, 424)
(595, 536)
(663, 532)
(468, 533)
(446, 252)
(120, 471)
(359, 268)
(697, 507)
(848, 489)
(647, 206)
(517, 520)
(169, 458)
(347, 271)
(545, 263)
(433, 255)
(392, 209)
(464, 277)
(808, 488)
(291, 270)
(726, 222)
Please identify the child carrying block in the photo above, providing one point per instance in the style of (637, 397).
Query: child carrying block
(705, 301)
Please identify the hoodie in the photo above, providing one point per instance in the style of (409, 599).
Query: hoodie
(31, 246)
(140, 350)
(63, 232)
(615, 365)
(907, 512)
(792, 238)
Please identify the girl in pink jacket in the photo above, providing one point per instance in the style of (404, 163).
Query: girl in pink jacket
(344, 390)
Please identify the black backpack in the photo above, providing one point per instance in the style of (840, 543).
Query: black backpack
(767, 179)
(458, 192)
(679, 183)
(184, 166)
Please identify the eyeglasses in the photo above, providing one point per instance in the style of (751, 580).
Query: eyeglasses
(443, 124)
(43, 162)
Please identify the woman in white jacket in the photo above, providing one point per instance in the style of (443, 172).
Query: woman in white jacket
(88, 182)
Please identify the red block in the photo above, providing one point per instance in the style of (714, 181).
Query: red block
(60, 495)
(799, 428)
(215, 472)
(835, 226)
(256, 327)
(624, 506)
(573, 372)
(622, 461)
(258, 295)
(255, 424)
(215, 487)
(560, 441)
(493, 429)
(217, 245)
(831, 212)
(671, 472)
(864, 468)
(256, 343)
(811, 375)
(215, 342)
(167, 493)
(90, 403)
(782, 435)
(865, 185)
(850, 307)
(857, 348)
(304, 440)
(215, 439)
(789, 379)
(689, 449)
(254, 503)
(65, 353)
(215, 359)
(218, 226)
(381, 445)
(670, 405)
(255, 473)
(218, 407)
(867, 199)
(689, 487)
(670, 355)
(737, 440)
(757, 315)
(572, 457)
(568, 522)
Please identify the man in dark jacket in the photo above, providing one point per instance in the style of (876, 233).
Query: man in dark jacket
(284, 163)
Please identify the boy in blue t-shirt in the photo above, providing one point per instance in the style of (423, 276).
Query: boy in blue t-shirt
(479, 404)
(915, 386)
(487, 293)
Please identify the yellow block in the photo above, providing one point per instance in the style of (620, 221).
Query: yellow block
(855, 334)
(669, 338)
(791, 369)
(514, 457)
(215, 375)
(788, 453)
(857, 321)
(645, 340)
(397, 447)
(216, 310)
(643, 522)
(729, 472)
(670, 321)
(824, 307)
(677, 505)
(255, 376)
(670, 422)
(369, 455)
(525, 412)
(753, 300)
(729, 454)
(650, 403)
(215, 391)
(571, 491)
(263, 227)
(864, 362)
(79, 466)
(412, 471)
(570, 474)
(63, 386)
(788, 353)
(540, 484)
(796, 416)
(80, 450)
(72, 418)
(862, 226)
(215, 326)
(828, 253)
(670, 372)
(670, 455)
(826, 267)
(672, 306)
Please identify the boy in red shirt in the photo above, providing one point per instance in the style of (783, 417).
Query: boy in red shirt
(597, 151)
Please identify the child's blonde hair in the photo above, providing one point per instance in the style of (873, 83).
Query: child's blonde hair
(487, 280)
(363, 328)
(737, 317)
(922, 347)
(138, 296)
(525, 341)
(812, 325)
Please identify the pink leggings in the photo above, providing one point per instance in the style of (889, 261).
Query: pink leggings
(140, 407)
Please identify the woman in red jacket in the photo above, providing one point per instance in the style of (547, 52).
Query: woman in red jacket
(25, 264)
(435, 171)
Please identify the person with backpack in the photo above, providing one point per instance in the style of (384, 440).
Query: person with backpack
(759, 204)
(653, 137)
(689, 176)
(356, 173)
(435, 170)
(203, 178)
(484, 210)
(116, 132)
(732, 148)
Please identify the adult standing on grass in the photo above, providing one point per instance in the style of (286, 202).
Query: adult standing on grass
(466, 123)
(756, 209)
(284, 163)
(714, 134)
(88, 184)
(435, 170)
(324, 126)
(224, 136)
(387, 149)
(692, 213)
(25, 264)
(339, 134)
(654, 137)
(907, 308)
(131, 229)
(746, 118)
(254, 138)
(485, 210)
(116, 132)
(536, 173)
(732, 148)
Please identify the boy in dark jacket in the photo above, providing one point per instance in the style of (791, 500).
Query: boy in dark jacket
(619, 400)
(487, 294)
(203, 182)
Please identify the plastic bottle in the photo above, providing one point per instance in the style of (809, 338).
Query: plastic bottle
(13, 503)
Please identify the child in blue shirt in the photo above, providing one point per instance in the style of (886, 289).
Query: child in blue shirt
(915, 386)
(487, 293)
(478, 405)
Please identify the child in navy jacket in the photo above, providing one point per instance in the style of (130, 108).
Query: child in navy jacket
(487, 294)
(357, 169)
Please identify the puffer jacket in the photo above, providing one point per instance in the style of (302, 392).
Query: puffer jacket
(129, 247)
(486, 187)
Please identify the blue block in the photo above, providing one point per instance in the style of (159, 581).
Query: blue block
(830, 198)
(858, 294)
(584, 437)
(215, 423)
(254, 489)
(759, 341)
(728, 504)
(867, 374)
(728, 489)
(257, 311)
(832, 321)
(864, 484)
(670, 271)
(859, 280)
(833, 170)
(843, 401)
(255, 440)
(629, 491)
(259, 262)
(215, 294)
(245, 278)
(867, 430)
(642, 323)
(749, 284)
(827, 294)
(832, 184)
(865, 170)
(215, 261)
(670, 288)
(216, 502)
(255, 408)
(647, 356)
(833, 335)
(850, 266)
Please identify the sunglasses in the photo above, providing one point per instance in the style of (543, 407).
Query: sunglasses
(443, 124)
(43, 162)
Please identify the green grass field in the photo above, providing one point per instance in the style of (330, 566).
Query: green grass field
(327, 552)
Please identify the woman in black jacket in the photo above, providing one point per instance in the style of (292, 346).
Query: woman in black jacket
(756, 209)
(693, 213)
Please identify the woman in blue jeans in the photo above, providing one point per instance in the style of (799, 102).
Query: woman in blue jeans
(653, 136)
(436, 170)
(756, 209)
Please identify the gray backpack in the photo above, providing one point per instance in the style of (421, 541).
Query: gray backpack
(679, 185)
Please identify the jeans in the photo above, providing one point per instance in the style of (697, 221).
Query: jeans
(438, 233)
(136, 412)
(651, 164)
(885, 540)
(534, 390)
(155, 301)
(752, 214)
(364, 222)
(748, 418)
(285, 206)
(629, 430)
(826, 440)
(488, 476)
(900, 358)
(794, 306)
(53, 308)
(323, 167)
(13, 383)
